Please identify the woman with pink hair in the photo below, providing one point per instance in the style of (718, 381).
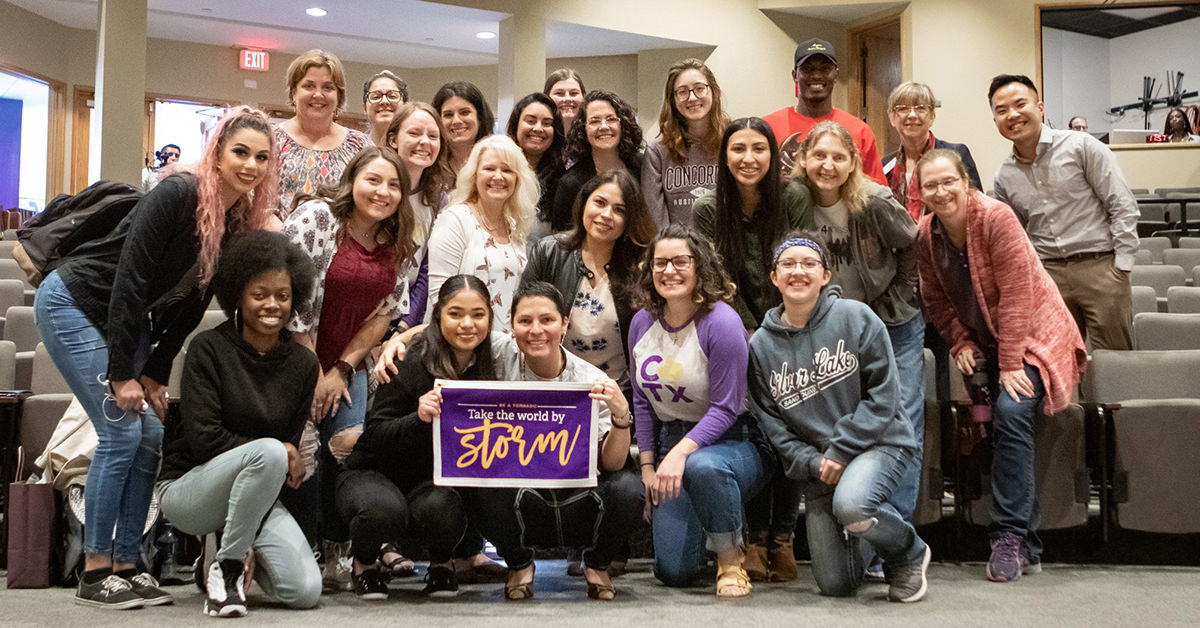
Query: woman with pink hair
(115, 313)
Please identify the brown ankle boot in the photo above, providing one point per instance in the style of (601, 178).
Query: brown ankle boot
(781, 559)
(755, 561)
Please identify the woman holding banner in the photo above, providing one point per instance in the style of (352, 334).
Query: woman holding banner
(597, 519)
(700, 461)
(388, 478)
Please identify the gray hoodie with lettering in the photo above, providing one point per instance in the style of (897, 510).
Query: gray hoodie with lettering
(827, 390)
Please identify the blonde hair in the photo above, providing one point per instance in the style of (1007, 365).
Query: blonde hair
(912, 93)
(520, 207)
(854, 192)
(317, 58)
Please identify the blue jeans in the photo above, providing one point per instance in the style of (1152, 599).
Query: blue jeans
(120, 481)
(1014, 500)
(908, 345)
(858, 507)
(235, 492)
(717, 480)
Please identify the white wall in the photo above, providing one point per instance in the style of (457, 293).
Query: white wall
(1173, 48)
(1075, 78)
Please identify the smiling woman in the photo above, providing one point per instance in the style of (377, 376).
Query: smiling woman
(313, 148)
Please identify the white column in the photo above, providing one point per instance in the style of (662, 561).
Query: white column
(522, 67)
(121, 87)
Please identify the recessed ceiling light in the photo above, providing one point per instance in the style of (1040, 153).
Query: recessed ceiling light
(485, 35)
(317, 12)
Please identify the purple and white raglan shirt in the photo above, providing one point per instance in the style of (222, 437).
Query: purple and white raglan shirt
(695, 373)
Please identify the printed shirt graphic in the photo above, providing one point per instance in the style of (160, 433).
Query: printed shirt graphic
(833, 223)
(594, 332)
(672, 371)
(791, 385)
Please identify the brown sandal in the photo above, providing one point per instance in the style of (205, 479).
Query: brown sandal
(732, 576)
(599, 590)
(522, 591)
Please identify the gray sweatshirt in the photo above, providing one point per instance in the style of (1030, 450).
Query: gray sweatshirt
(827, 390)
(670, 188)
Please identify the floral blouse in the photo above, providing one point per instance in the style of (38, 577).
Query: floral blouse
(302, 170)
(458, 245)
(313, 227)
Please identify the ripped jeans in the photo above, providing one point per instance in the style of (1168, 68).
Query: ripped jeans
(857, 508)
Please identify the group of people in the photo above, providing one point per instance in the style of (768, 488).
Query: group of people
(744, 296)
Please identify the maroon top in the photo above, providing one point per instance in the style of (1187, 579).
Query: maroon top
(356, 282)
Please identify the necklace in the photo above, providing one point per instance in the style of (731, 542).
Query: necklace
(525, 370)
(483, 221)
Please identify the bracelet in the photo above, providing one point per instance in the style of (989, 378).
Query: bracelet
(346, 369)
(627, 421)
(647, 464)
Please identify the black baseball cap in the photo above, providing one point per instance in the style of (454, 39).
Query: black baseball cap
(810, 47)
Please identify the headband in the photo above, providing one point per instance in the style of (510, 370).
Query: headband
(789, 243)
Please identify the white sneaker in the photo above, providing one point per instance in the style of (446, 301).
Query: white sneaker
(226, 591)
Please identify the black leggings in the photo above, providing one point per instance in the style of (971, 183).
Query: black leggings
(377, 512)
(597, 519)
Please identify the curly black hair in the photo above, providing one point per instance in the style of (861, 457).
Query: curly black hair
(712, 282)
(629, 150)
(252, 253)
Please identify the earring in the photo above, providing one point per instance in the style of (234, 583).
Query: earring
(797, 90)
(237, 317)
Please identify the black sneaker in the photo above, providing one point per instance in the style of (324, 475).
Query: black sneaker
(226, 591)
(112, 592)
(440, 582)
(370, 585)
(908, 583)
(146, 586)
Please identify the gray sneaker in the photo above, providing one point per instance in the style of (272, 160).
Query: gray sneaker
(146, 586)
(113, 592)
(908, 584)
(339, 566)
(1005, 564)
(1029, 564)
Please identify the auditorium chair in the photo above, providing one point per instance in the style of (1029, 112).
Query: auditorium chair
(1183, 299)
(12, 294)
(933, 487)
(21, 330)
(1143, 299)
(1156, 331)
(1160, 277)
(41, 411)
(1184, 258)
(1156, 246)
(1149, 402)
(1189, 243)
(211, 319)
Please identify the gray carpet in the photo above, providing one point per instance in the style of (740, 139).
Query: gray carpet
(959, 597)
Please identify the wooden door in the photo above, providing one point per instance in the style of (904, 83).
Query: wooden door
(874, 71)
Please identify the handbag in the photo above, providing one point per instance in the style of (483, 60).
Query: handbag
(32, 531)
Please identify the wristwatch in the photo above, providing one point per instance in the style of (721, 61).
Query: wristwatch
(346, 370)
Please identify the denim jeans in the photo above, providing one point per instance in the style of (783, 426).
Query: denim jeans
(908, 345)
(1014, 499)
(236, 493)
(858, 507)
(599, 519)
(120, 481)
(717, 480)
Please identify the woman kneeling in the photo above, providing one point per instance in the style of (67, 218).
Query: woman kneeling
(247, 388)
(824, 386)
(597, 519)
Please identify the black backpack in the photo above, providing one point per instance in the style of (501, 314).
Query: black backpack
(68, 221)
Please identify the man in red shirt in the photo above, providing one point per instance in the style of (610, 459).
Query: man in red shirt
(815, 73)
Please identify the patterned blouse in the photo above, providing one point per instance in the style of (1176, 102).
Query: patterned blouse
(313, 227)
(460, 245)
(594, 332)
(302, 170)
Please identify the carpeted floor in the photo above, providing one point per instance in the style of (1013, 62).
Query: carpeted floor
(1063, 595)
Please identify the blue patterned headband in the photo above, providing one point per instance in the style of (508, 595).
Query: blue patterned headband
(789, 243)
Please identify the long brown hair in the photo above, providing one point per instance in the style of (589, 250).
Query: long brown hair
(671, 123)
(712, 282)
(437, 179)
(396, 231)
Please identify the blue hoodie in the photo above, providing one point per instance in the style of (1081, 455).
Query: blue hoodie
(829, 390)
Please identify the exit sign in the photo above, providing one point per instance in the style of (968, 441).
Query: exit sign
(251, 59)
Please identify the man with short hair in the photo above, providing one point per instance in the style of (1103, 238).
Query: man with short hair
(1076, 207)
(815, 72)
(1078, 123)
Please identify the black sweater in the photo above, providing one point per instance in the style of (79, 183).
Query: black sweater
(232, 395)
(147, 265)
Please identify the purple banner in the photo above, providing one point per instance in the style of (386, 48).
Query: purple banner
(539, 435)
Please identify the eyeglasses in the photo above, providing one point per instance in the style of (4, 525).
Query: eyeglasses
(903, 110)
(809, 265)
(929, 187)
(679, 262)
(699, 89)
(390, 96)
(596, 123)
(169, 155)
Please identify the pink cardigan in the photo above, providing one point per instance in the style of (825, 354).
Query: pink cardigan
(1021, 304)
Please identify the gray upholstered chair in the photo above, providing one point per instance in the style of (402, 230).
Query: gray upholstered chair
(1157, 331)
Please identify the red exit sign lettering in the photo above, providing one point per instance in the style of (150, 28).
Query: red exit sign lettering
(251, 59)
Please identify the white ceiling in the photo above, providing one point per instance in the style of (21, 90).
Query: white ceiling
(841, 13)
(408, 33)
